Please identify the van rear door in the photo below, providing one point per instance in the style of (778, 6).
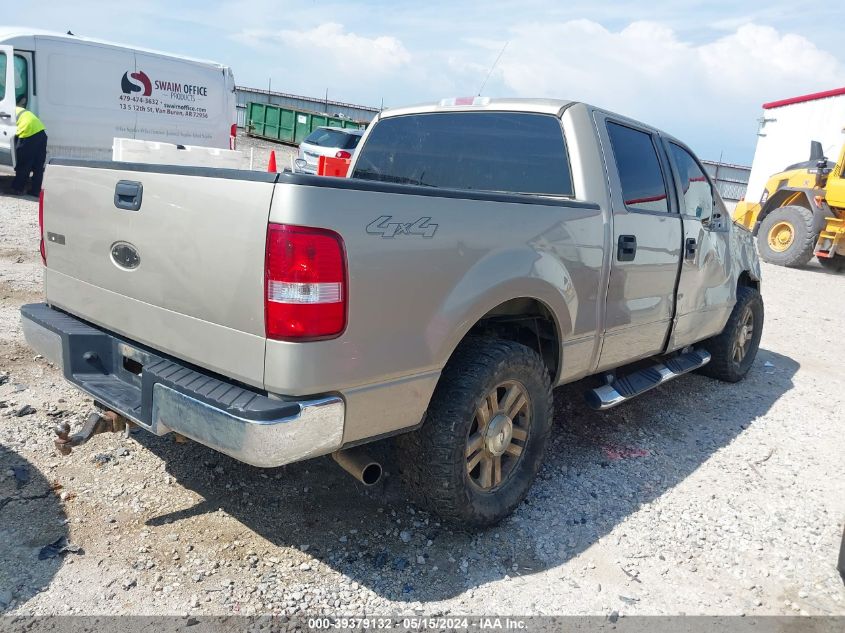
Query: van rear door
(7, 105)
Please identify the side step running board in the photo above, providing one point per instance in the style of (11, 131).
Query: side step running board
(632, 385)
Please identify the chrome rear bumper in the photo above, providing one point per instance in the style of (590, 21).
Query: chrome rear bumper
(316, 429)
(163, 395)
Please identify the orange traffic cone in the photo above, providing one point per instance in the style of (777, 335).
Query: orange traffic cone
(271, 166)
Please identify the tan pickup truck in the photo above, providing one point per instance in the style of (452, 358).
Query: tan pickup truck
(481, 253)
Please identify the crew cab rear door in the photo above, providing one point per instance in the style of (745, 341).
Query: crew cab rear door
(706, 291)
(646, 246)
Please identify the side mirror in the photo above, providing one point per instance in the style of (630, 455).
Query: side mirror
(816, 151)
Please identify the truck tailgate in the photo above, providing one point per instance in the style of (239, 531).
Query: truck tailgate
(182, 273)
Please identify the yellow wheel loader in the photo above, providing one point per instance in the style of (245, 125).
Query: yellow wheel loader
(801, 213)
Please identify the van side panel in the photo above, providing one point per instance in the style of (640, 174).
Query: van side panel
(188, 103)
(89, 93)
(79, 96)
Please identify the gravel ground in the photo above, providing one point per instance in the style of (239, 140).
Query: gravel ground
(699, 498)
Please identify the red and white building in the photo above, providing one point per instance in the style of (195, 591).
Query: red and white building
(786, 130)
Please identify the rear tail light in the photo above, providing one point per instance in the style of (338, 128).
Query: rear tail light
(343, 154)
(41, 226)
(233, 136)
(304, 283)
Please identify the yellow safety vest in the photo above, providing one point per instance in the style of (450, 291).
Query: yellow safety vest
(28, 123)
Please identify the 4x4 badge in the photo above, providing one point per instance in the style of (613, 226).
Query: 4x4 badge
(387, 229)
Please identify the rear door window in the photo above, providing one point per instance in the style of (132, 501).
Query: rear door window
(512, 152)
(352, 141)
(643, 186)
(325, 137)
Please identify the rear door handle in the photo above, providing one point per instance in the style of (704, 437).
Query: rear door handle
(627, 248)
(128, 195)
(690, 247)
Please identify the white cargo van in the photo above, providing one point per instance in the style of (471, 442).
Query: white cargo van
(88, 92)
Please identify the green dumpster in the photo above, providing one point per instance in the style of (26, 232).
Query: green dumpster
(288, 125)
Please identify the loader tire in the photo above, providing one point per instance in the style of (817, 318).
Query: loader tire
(835, 264)
(787, 237)
(733, 351)
(484, 435)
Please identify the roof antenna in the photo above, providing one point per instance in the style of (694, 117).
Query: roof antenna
(70, 33)
(493, 67)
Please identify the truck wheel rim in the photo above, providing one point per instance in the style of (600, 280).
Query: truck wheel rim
(498, 434)
(743, 339)
(781, 236)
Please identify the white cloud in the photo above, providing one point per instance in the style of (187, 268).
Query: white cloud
(330, 43)
(647, 71)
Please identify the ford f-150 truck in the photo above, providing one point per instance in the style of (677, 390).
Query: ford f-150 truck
(480, 253)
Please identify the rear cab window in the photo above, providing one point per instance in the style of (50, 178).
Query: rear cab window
(640, 174)
(505, 152)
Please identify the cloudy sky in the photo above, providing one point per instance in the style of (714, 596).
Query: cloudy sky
(699, 70)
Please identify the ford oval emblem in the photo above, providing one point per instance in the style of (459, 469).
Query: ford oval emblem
(125, 255)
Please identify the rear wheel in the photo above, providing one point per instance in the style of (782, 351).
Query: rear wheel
(484, 436)
(834, 264)
(787, 237)
(734, 350)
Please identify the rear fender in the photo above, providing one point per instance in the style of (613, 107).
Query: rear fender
(501, 277)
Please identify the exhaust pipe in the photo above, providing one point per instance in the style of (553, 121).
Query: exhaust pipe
(359, 464)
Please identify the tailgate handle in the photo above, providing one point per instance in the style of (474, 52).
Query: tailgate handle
(128, 194)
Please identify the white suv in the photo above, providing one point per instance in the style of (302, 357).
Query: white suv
(327, 141)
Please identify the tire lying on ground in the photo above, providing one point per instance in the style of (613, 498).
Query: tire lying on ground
(835, 264)
(485, 432)
(733, 350)
(787, 237)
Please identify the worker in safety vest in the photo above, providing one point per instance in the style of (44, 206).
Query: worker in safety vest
(30, 151)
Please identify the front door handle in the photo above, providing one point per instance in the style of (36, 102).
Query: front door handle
(627, 248)
(690, 247)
